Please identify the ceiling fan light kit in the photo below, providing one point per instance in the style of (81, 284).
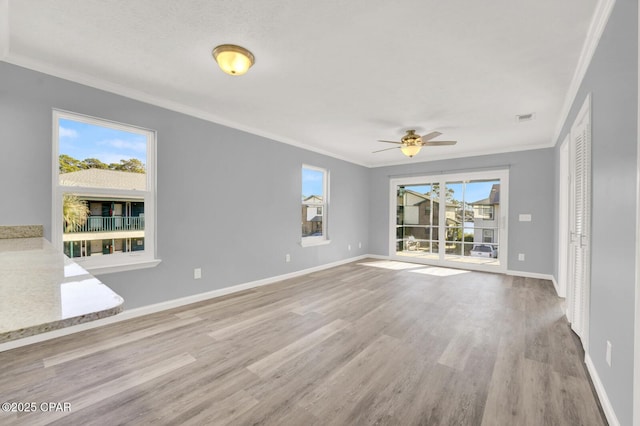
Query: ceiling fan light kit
(410, 150)
(232, 59)
(411, 143)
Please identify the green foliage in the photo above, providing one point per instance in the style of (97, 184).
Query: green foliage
(132, 165)
(94, 163)
(69, 164)
(74, 211)
(448, 194)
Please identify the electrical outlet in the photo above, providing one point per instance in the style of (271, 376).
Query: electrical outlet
(287, 258)
(521, 256)
(359, 245)
(349, 247)
(197, 273)
(608, 355)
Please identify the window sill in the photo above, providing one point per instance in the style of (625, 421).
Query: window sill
(121, 265)
(314, 242)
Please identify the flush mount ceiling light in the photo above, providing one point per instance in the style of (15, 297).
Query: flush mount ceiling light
(232, 59)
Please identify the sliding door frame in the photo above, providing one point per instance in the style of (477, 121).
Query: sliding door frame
(442, 179)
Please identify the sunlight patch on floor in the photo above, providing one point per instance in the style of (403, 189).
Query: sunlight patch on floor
(440, 272)
(391, 264)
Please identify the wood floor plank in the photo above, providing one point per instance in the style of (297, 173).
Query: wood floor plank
(348, 383)
(105, 390)
(504, 404)
(461, 347)
(121, 340)
(269, 364)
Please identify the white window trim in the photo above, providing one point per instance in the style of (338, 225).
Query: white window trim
(117, 262)
(441, 179)
(324, 239)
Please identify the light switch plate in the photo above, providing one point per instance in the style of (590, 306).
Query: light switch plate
(524, 218)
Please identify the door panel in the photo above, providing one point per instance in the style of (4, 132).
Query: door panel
(578, 289)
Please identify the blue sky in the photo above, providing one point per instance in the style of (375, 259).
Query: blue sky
(311, 182)
(82, 140)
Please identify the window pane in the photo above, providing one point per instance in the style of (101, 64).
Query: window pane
(454, 203)
(96, 226)
(311, 221)
(103, 188)
(96, 156)
(417, 213)
(313, 202)
(313, 184)
(453, 249)
(484, 197)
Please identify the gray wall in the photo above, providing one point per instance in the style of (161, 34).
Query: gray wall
(531, 183)
(612, 79)
(228, 201)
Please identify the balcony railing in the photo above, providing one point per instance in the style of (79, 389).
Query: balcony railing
(107, 224)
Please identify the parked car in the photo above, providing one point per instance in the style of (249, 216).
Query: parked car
(484, 251)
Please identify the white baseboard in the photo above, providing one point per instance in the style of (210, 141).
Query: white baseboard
(532, 275)
(602, 394)
(170, 304)
(377, 256)
(555, 285)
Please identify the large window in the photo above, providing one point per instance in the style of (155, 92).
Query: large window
(315, 184)
(451, 219)
(103, 192)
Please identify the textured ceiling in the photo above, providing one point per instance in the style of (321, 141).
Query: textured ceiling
(332, 76)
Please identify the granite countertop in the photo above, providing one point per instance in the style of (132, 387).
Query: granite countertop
(42, 290)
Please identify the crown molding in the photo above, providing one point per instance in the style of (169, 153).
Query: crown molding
(141, 96)
(596, 28)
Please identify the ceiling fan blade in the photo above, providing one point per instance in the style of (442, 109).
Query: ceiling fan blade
(386, 149)
(399, 143)
(439, 143)
(430, 136)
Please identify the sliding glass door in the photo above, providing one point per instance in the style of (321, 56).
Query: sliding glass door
(451, 219)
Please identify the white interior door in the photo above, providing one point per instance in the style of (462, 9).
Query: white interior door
(578, 292)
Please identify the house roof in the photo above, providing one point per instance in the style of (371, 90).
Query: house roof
(492, 199)
(110, 179)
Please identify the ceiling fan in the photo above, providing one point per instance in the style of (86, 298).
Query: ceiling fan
(411, 143)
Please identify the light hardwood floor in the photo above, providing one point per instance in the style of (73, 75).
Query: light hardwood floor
(357, 344)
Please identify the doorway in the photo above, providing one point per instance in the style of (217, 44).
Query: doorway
(457, 220)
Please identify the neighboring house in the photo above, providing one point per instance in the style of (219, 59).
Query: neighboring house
(418, 218)
(486, 213)
(417, 209)
(311, 216)
(114, 224)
